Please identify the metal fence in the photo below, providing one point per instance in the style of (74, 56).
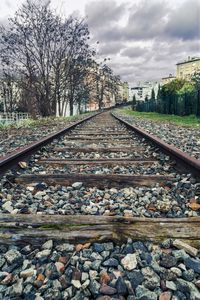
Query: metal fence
(9, 118)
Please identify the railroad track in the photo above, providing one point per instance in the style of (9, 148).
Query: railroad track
(100, 153)
(84, 209)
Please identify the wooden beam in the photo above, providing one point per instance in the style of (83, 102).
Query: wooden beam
(95, 180)
(100, 133)
(91, 162)
(99, 149)
(35, 229)
(95, 138)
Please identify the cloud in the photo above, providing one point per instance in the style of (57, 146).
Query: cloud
(101, 14)
(134, 52)
(146, 20)
(110, 48)
(184, 21)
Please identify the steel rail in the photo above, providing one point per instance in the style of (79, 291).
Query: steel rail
(184, 160)
(15, 156)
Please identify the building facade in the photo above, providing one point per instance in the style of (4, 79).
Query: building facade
(144, 90)
(167, 79)
(188, 67)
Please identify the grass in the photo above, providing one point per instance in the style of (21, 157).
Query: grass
(191, 120)
(61, 226)
(28, 123)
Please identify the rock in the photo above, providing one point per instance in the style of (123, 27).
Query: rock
(152, 280)
(188, 287)
(108, 246)
(84, 276)
(28, 273)
(193, 264)
(165, 296)
(197, 283)
(76, 275)
(76, 284)
(121, 286)
(93, 274)
(104, 298)
(136, 278)
(171, 285)
(94, 287)
(98, 247)
(139, 246)
(53, 294)
(129, 262)
(188, 275)
(85, 284)
(77, 185)
(189, 249)
(65, 247)
(104, 278)
(63, 259)
(64, 281)
(60, 267)
(43, 253)
(7, 206)
(48, 245)
(13, 256)
(168, 261)
(180, 255)
(144, 294)
(40, 277)
(107, 290)
(176, 271)
(111, 262)
(166, 244)
(2, 261)
(17, 288)
(7, 279)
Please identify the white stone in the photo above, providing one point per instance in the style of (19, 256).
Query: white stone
(171, 285)
(77, 185)
(7, 206)
(189, 249)
(43, 253)
(84, 276)
(76, 284)
(176, 271)
(47, 245)
(85, 284)
(129, 262)
(27, 273)
(93, 274)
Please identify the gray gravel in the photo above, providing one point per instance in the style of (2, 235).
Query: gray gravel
(106, 271)
(185, 138)
(13, 138)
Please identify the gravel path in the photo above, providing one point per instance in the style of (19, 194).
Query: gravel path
(13, 138)
(106, 271)
(184, 138)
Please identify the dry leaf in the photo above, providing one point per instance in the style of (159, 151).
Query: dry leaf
(194, 206)
(22, 164)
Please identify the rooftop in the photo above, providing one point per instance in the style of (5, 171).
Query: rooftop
(190, 59)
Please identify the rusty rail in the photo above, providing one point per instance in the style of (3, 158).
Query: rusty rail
(184, 161)
(15, 156)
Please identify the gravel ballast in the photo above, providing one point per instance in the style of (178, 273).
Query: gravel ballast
(133, 271)
(184, 138)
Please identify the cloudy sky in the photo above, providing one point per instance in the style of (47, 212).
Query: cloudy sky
(144, 39)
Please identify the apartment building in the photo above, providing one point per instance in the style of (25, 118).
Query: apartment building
(167, 79)
(143, 90)
(187, 68)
